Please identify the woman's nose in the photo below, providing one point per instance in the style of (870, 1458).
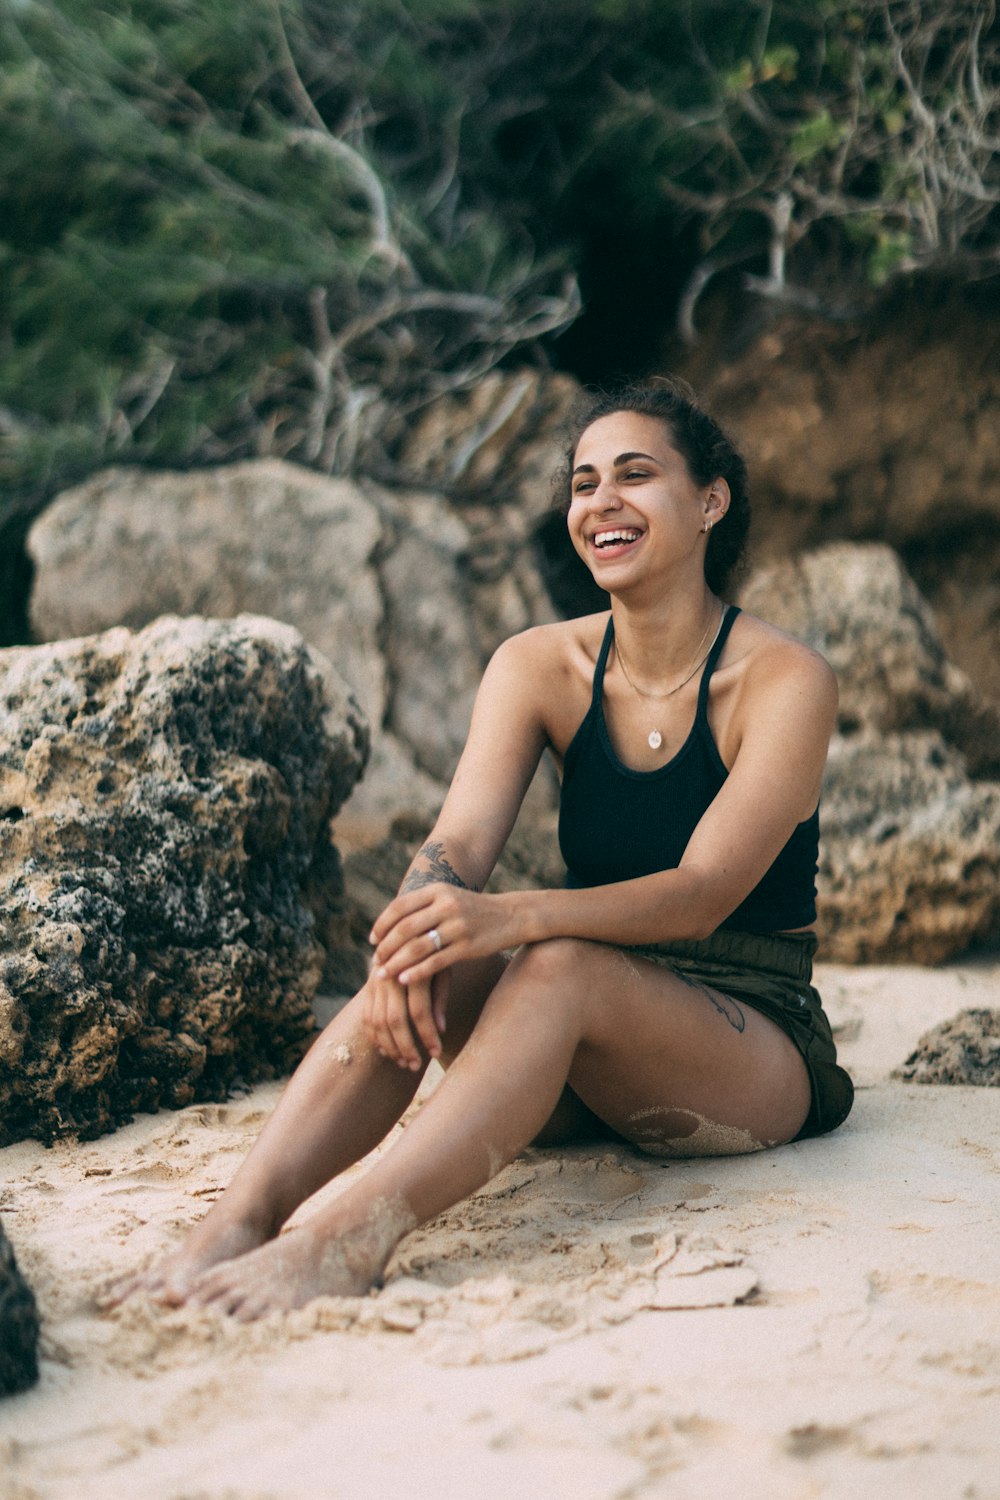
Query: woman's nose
(606, 496)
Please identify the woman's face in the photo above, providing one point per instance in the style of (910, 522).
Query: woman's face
(634, 506)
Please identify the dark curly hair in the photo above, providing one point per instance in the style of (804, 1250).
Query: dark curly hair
(705, 448)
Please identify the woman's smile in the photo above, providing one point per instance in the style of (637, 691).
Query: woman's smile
(610, 542)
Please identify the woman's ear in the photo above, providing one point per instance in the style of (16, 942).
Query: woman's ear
(717, 502)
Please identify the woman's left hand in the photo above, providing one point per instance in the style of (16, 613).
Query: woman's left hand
(425, 931)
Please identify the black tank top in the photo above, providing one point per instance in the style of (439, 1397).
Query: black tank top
(617, 824)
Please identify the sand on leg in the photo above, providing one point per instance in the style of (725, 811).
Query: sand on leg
(630, 1039)
(342, 1100)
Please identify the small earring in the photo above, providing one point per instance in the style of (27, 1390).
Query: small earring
(707, 526)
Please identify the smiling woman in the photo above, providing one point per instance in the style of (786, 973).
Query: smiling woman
(708, 455)
(663, 996)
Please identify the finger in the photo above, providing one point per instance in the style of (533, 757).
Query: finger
(424, 970)
(384, 1040)
(405, 1047)
(411, 929)
(422, 1018)
(417, 950)
(372, 1013)
(375, 1014)
(400, 1043)
(440, 990)
(399, 907)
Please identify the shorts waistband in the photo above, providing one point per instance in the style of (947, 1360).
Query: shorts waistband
(787, 953)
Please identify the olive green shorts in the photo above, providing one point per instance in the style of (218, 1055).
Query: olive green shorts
(771, 972)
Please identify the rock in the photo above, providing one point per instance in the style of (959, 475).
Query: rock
(266, 537)
(19, 1325)
(453, 577)
(391, 787)
(408, 592)
(165, 800)
(494, 452)
(909, 854)
(965, 1050)
(857, 605)
(884, 428)
(431, 652)
(910, 849)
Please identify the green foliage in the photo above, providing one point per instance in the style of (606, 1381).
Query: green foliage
(813, 137)
(281, 226)
(197, 263)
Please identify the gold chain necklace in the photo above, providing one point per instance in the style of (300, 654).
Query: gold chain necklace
(654, 739)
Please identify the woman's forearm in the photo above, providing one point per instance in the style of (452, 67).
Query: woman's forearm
(462, 924)
(671, 905)
(432, 865)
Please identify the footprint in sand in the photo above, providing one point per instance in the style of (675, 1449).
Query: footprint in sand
(813, 1438)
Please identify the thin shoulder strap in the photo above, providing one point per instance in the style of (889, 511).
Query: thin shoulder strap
(728, 621)
(602, 661)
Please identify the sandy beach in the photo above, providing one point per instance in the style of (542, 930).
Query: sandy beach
(818, 1320)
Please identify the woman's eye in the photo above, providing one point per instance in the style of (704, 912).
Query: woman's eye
(635, 474)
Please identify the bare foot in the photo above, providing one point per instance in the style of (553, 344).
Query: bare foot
(320, 1259)
(171, 1279)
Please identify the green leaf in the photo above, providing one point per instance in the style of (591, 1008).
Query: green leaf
(814, 136)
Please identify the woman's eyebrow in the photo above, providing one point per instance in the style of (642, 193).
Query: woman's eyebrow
(623, 458)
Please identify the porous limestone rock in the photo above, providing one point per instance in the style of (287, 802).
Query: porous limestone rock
(965, 1049)
(19, 1325)
(910, 852)
(165, 800)
(910, 849)
(857, 605)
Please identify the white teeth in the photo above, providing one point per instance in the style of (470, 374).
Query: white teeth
(609, 538)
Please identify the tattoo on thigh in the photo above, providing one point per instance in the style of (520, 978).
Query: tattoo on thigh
(725, 1006)
(439, 872)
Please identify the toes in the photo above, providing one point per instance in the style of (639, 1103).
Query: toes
(250, 1310)
(215, 1289)
(245, 1303)
(169, 1293)
(203, 1292)
(119, 1290)
(112, 1296)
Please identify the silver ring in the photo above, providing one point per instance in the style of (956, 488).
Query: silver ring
(435, 938)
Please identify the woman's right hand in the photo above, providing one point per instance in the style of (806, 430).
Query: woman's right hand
(400, 1019)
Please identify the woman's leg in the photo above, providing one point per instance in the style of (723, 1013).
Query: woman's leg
(662, 1061)
(342, 1100)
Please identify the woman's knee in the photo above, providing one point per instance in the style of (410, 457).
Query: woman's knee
(562, 964)
(567, 970)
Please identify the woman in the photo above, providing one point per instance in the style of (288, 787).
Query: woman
(663, 996)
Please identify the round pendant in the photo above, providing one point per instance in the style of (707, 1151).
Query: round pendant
(655, 739)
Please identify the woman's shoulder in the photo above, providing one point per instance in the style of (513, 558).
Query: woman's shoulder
(550, 670)
(768, 657)
(560, 645)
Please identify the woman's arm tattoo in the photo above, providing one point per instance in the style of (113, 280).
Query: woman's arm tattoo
(439, 872)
